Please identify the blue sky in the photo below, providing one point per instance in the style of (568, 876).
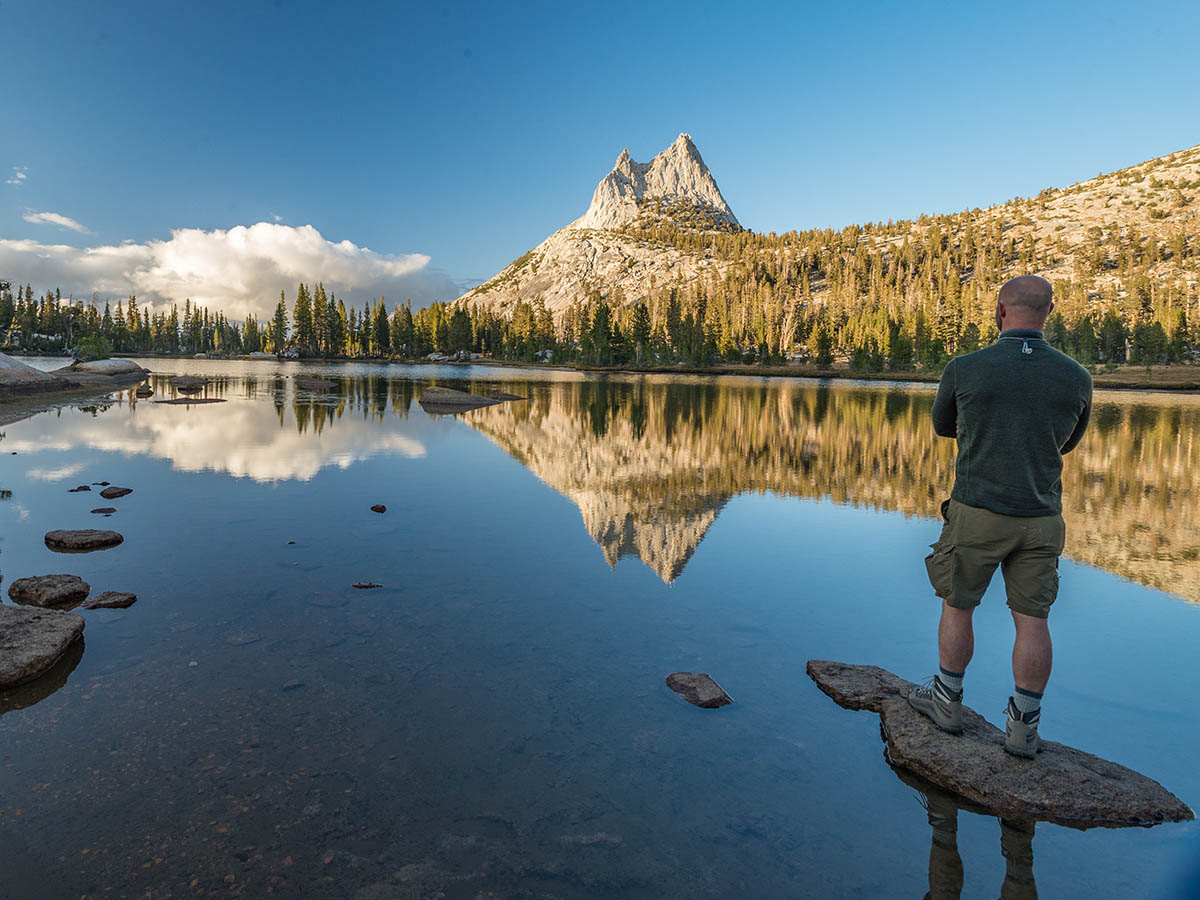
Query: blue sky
(465, 133)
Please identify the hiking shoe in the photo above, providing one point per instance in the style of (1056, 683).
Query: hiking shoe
(938, 702)
(1021, 731)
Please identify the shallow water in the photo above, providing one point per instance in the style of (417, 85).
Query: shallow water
(494, 718)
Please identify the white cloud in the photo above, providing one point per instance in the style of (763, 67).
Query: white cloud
(50, 218)
(238, 271)
(19, 174)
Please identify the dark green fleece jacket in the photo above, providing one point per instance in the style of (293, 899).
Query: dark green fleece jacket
(1016, 407)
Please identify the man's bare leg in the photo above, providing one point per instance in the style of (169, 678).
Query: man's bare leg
(1033, 654)
(956, 638)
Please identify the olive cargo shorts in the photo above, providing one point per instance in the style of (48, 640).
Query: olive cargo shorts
(974, 541)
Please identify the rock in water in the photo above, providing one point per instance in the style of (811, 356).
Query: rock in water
(79, 490)
(49, 590)
(187, 384)
(379, 508)
(445, 400)
(1063, 785)
(112, 493)
(110, 600)
(312, 383)
(32, 640)
(698, 689)
(105, 510)
(82, 540)
(144, 391)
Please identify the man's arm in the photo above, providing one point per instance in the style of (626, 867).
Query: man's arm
(945, 408)
(1080, 426)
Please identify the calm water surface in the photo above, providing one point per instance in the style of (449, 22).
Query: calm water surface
(493, 721)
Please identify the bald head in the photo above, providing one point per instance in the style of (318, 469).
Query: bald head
(1024, 302)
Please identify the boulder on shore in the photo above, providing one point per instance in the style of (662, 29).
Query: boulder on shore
(49, 590)
(698, 689)
(32, 640)
(16, 378)
(82, 540)
(1063, 785)
(108, 367)
(444, 400)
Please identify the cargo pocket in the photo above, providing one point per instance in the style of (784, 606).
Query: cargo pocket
(940, 566)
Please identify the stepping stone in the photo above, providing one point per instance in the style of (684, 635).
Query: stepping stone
(105, 510)
(110, 600)
(79, 490)
(1063, 785)
(32, 640)
(49, 590)
(112, 493)
(83, 540)
(698, 689)
(379, 508)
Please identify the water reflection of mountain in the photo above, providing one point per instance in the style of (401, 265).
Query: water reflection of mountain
(650, 464)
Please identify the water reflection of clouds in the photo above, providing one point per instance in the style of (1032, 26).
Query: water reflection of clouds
(60, 474)
(235, 438)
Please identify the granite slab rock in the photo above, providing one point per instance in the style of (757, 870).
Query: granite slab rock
(32, 640)
(1063, 785)
(49, 590)
(312, 383)
(445, 400)
(82, 540)
(698, 689)
(110, 600)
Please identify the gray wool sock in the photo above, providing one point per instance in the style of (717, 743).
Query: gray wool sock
(1026, 701)
(952, 680)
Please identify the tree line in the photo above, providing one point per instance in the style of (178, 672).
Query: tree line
(879, 297)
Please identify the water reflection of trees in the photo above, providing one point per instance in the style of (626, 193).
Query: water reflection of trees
(650, 463)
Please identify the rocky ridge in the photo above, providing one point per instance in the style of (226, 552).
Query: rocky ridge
(599, 251)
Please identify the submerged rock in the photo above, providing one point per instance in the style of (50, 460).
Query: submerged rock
(32, 640)
(110, 600)
(698, 689)
(1063, 785)
(112, 493)
(49, 590)
(444, 400)
(82, 540)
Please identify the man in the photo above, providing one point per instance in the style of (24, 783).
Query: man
(1015, 407)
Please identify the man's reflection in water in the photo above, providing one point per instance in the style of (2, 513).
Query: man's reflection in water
(945, 865)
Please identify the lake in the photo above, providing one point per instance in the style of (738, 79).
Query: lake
(493, 720)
